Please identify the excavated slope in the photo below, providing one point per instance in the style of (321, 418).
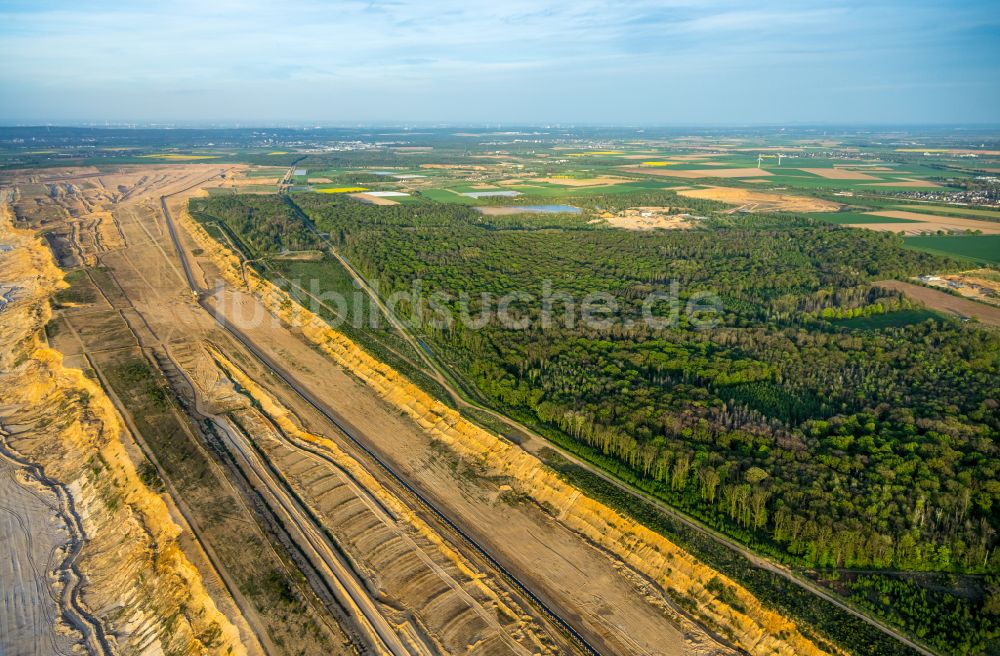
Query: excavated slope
(453, 601)
(137, 582)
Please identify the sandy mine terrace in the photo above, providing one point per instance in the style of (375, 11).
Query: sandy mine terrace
(31, 539)
(420, 578)
(127, 585)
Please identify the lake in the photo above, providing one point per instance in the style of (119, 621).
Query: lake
(533, 209)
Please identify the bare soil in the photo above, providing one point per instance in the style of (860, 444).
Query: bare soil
(929, 223)
(374, 200)
(751, 201)
(30, 538)
(651, 218)
(972, 285)
(938, 300)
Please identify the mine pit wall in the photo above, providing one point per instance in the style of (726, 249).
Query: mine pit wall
(137, 582)
(754, 628)
(515, 619)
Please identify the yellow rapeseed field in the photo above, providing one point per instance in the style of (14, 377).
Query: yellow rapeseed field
(176, 156)
(341, 190)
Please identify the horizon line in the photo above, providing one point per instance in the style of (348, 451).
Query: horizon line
(491, 125)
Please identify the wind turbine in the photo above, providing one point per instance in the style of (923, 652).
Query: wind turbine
(760, 158)
(779, 158)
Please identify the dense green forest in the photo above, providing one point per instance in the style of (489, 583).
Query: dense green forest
(840, 447)
(785, 424)
(962, 625)
(267, 224)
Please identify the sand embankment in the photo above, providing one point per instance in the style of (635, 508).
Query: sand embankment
(137, 584)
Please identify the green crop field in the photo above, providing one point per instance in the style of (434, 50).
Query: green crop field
(896, 319)
(983, 249)
(445, 196)
(844, 218)
(275, 173)
(952, 210)
(559, 191)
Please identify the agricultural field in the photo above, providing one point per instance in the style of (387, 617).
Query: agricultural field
(983, 249)
(952, 210)
(921, 223)
(854, 218)
(751, 200)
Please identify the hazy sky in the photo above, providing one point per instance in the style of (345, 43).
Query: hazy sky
(510, 61)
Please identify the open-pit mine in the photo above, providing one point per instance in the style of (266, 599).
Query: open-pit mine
(191, 463)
